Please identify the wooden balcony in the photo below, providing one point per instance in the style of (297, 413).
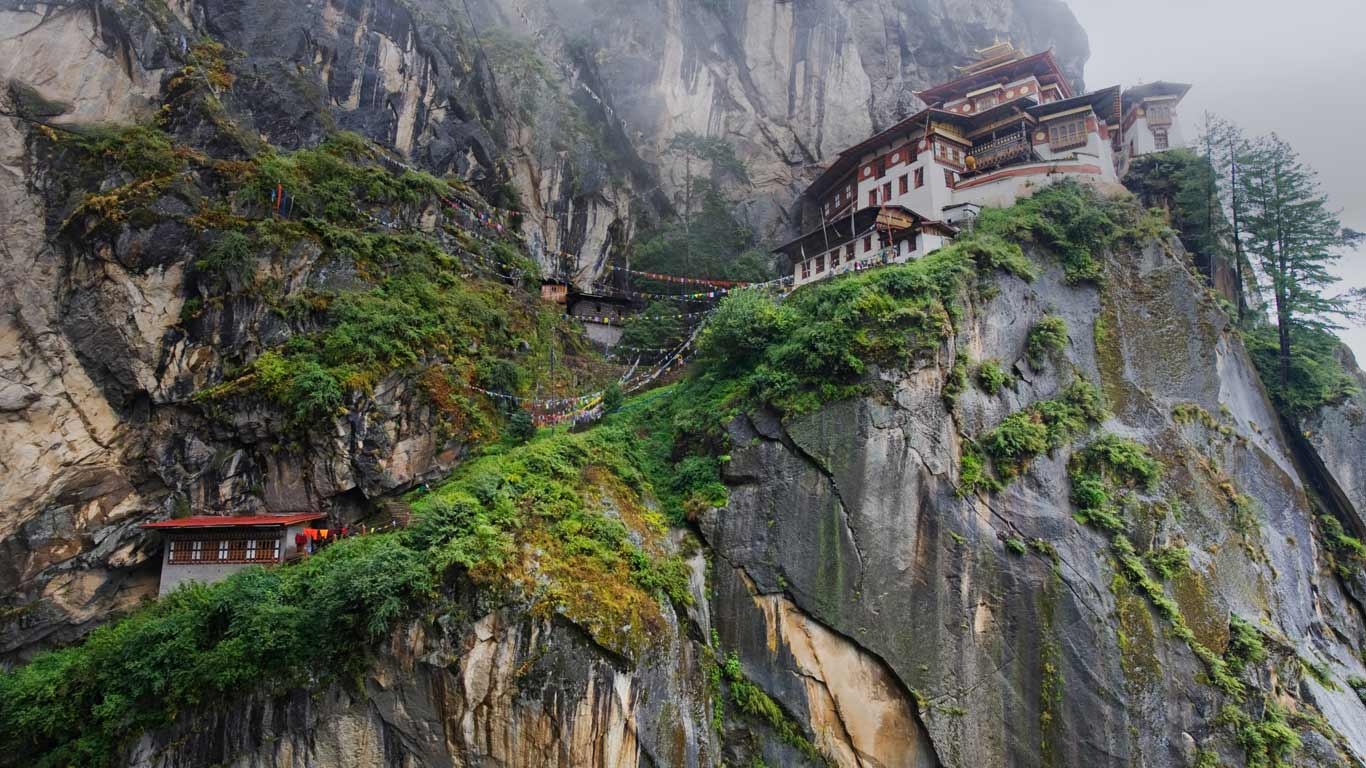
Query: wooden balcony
(1013, 148)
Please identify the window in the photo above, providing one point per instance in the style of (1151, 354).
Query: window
(1065, 134)
(849, 252)
(903, 184)
(180, 551)
(820, 263)
(251, 549)
(223, 549)
(948, 177)
(806, 269)
(1160, 138)
(988, 101)
(872, 197)
(834, 258)
(886, 191)
(919, 178)
(867, 243)
(1159, 114)
(196, 550)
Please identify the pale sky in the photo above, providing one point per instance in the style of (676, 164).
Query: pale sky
(1297, 68)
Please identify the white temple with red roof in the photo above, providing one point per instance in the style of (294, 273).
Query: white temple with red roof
(1007, 123)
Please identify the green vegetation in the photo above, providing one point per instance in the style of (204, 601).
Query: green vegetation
(992, 378)
(1168, 562)
(1105, 470)
(1244, 645)
(1268, 742)
(1315, 376)
(279, 626)
(752, 701)
(553, 523)
(1346, 553)
(1046, 339)
(1016, 546)
(1358, 686)
(705, 238)
(1184, 183)
(556, 521)
(1072, 222)
(1043, 426)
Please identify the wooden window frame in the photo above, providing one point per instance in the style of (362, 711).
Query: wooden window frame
(1068, 133)
(919, 177)
(903, 184)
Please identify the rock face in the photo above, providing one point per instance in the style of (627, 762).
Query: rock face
(98, 429)
(892, 620)
(895, 622)
(788, 84)
(503, 691)
(851, 514)
(1338, 439)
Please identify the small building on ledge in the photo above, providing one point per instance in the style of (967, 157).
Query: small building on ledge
(1007, 123)
(209, 548)
(872, 236)
(602, 315)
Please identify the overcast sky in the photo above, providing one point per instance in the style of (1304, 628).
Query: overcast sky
(1297, 68)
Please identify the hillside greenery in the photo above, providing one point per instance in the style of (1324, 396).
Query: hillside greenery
(569, 524)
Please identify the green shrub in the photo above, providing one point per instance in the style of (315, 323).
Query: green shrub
(1044, 426)
(1016, 546)
(1317, 376)
(1169, 562)
(1244, 645)
(277, 627)
(1020, 437)
(992, 378)
(1047, 339)
(1267, 743)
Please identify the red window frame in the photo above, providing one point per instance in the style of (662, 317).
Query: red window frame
(903, 184)
(919, 178)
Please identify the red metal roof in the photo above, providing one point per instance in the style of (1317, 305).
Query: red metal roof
(236, 521)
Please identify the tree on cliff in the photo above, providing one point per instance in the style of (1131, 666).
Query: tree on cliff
(1295, 237)
(706, 240)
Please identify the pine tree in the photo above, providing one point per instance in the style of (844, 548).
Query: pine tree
(1294, 236)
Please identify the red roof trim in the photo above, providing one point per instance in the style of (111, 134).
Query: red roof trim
(236, 521)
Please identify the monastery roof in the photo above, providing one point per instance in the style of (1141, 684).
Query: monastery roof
(1157, 88)
(236, 521)
(1039, 64)
(1105, 102)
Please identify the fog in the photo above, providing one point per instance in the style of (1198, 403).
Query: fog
(1296, 68)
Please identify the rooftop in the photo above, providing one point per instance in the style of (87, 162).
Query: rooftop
(236, 521)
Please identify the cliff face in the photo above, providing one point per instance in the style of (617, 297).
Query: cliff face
(573, 105)
(888, 614)
(897, 618)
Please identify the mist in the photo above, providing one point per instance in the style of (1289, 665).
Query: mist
(1298, 69)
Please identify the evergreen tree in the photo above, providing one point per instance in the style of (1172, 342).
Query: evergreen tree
(706, 239)
(1294, 236)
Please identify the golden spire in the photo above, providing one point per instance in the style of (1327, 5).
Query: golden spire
(999, 52)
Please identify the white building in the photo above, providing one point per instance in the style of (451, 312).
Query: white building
(1150, 123)
(1008, 122)
(210, 548)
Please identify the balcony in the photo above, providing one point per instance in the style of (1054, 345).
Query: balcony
(1013, 148)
